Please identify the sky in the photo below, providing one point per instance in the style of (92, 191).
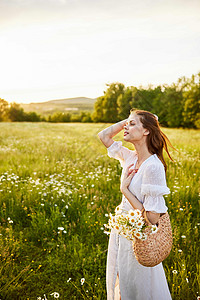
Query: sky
(55, 49)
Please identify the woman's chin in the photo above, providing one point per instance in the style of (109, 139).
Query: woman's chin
(125, 137)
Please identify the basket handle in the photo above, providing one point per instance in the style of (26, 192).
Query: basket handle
(144, 214)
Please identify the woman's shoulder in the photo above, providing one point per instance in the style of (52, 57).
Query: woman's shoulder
(154, 164)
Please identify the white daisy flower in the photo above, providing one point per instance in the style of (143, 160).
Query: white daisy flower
(139, 224)
(106, 232)
(138, 235)
(82, 281)
(154, 229)
(132, 220)
(132, 213)
(138, 212)
(55, 294)
(61, 228)
(117, 227)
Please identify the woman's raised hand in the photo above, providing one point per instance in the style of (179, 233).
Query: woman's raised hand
(126, 179)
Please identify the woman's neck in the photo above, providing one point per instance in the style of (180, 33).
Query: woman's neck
(142, 152)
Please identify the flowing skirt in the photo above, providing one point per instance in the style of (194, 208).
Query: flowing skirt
(126, 279)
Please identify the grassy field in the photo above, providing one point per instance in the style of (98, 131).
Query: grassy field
(56, 186)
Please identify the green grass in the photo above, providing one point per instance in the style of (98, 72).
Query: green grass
(59, 176)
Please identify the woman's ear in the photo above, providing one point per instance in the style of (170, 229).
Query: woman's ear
(146, 131)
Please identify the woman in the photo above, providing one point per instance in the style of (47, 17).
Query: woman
(143, 184)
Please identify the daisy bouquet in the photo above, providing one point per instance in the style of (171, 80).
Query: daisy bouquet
(129, 224)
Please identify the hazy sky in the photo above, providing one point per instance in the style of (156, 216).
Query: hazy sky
(52, 49)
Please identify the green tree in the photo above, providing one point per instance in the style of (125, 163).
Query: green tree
(143, 99)
(86, 117)
(191, 111)
(97, 115)
(110, 106)
(16, 113)
(3, 110)
(32, 117)
(124, 102)
(173, 106)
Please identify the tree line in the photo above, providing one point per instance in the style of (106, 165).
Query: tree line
(176, 105)
(14, 113)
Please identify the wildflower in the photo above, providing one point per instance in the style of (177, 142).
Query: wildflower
(174, 271)
(69, 279)
(55, 294)
(82, 281)
(132, 220)
(106, 215)
(138, 235)
(183, 236)
(187, 279)
(106, 232)
(61, 228)
(154, 228)
(139, 224)
(117, 227)
(118, 209)
(179, 250)
(138, 212)
(132, 213)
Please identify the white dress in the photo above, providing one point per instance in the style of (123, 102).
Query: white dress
(136, 282)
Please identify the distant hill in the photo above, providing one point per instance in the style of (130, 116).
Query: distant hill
(74, 105)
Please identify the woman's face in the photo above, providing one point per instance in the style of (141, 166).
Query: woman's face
(134, 130)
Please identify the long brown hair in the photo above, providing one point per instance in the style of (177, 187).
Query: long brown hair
(156, 139)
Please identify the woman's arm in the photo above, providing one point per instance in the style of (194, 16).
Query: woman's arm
(132, 199)
(152, 217)
(107, 134)
(128, 174)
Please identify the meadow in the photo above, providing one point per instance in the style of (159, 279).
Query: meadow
(57, 186)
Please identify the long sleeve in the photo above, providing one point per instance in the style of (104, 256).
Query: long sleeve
(154, 187)
(119, 152)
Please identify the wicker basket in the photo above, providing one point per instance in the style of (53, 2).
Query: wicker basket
(157, 246)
